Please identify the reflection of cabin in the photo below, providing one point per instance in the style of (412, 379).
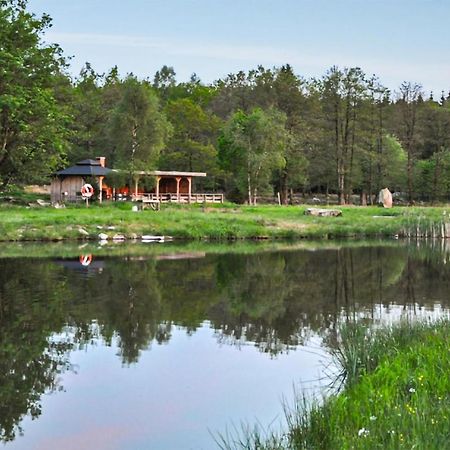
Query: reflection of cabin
(66, 186)
(170, 186)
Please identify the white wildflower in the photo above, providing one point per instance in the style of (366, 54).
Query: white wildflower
(372, 418)
(363, 432)
(412, 390)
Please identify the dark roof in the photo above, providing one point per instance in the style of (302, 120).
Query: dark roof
(87, 167)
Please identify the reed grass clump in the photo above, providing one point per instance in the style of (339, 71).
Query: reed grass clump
(395, 392)
(392, 392)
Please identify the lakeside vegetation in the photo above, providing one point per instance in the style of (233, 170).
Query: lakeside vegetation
(217, 222)
(266, 131)
(261, 132)
(395, 395)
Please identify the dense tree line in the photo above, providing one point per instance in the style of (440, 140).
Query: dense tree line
(266, 131)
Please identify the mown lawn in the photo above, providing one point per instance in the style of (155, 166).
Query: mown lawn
(221, 222)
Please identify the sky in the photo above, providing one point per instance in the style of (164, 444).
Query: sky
(397, 40)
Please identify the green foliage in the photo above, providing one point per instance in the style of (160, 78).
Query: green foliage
(192, 144)
(396, 396)
(397, 393)
(138, 128)
(252, 146)
(33, 126)
(343, 133)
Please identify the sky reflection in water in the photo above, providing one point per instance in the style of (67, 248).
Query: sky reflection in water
(153, 353)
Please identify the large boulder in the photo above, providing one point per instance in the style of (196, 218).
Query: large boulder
(385, 198)
(323, 212)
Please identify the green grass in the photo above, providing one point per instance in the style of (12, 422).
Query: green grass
(220, 222)
(395, 395)
(397, 392)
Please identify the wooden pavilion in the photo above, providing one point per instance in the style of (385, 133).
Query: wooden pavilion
(67, 183)
(171, 186)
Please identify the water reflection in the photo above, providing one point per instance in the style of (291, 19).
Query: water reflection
(274, 300)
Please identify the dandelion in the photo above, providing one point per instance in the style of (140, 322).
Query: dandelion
(363, 432)
(412, 390)
(410, 409)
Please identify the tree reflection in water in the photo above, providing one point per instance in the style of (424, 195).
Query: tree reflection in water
(273, 300)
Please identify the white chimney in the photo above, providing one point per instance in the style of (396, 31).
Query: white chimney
(101, 160)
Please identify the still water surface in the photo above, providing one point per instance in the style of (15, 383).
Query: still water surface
(164, 349)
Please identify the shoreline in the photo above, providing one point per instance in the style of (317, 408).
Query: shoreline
(227, 222)
(394, 393)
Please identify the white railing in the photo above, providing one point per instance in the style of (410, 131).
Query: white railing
(179, 198)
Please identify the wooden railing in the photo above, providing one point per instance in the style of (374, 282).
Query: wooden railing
(179, 198)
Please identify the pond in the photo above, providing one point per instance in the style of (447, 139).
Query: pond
(166, 346)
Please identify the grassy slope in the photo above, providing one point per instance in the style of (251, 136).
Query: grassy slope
(224, 222)
(396, 396)
(399, 396)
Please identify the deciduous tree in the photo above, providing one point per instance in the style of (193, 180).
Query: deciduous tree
(33, 126)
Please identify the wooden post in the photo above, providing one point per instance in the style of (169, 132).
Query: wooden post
(178, 188)
(136, 182)
(158, 179)
(189, 188)
(100, 185)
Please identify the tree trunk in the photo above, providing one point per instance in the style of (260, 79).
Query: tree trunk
(409, 173)
(363, 198)
(255, 195)
(249, 187)
(283, 187)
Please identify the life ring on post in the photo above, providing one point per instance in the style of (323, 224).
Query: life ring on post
(87, 191)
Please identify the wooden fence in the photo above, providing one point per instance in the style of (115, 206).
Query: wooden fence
(179, 198)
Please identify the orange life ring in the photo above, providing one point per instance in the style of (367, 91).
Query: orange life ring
(85, 260)
(87, 191)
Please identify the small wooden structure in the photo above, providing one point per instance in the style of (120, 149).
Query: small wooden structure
(173, 186)
(66, 186)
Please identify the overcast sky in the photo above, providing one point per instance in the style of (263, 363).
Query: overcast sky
(395, 39)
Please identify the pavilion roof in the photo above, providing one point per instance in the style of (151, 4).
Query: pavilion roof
(170, 173)
(87, 167)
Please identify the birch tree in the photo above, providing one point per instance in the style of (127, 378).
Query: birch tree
(252, 147)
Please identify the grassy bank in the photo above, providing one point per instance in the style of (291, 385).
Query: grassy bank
(396, 394)
(216, 222)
